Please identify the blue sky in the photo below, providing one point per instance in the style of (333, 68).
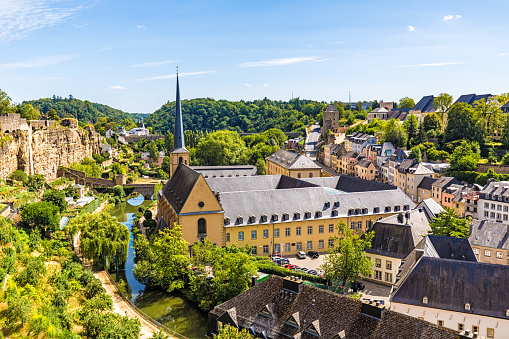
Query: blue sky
(124, 53)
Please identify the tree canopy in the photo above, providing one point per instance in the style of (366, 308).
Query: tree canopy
(56, 197)
(395, 133)
(221, 148)
(460, 122)
(465, 157)
(406, 102)
(347, 259)
(103, 239)
(42, 215)
(448, 224)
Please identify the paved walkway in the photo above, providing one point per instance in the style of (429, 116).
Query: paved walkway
(121, 306)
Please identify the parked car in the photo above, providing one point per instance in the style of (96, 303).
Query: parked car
(357, 286)
(313, 272)
(313, 254)
(301, 255)
(276, 259)
(275, 255)
(289, 266)
(280, 261)
(303, 269)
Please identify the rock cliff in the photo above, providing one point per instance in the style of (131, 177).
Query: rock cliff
(43, 150)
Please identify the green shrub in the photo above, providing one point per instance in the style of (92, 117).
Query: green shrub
(284, 272)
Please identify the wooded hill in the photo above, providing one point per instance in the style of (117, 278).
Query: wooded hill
(241, 116)
(83, 110)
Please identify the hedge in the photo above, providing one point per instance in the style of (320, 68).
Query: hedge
(478, 177)
(284, 272)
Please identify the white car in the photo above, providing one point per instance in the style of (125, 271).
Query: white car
(301, 255)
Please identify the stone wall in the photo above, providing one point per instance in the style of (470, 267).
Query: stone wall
(12, 121)
(43, 150)
(499, 169)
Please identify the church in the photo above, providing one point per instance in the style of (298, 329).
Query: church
(272, 213)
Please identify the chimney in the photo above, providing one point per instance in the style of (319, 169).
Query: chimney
(407, 217)
(372, 309)
(400, 218)
(292, 284)
(254, 280)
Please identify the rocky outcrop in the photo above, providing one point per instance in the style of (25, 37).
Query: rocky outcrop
(43, 150)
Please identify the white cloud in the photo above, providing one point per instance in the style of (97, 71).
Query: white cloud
(169, 76)
(410, 28)
(140, 27)
(117, 87)
(37, 62)
(335, 42)
(309, 46)
(247, 85)
(282, 61)
(435, 64)
(450, 17)
(20, 17)
(155, 63)
(265, 85)
(504, 54)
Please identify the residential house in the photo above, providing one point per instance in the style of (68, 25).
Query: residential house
(370, 152)
(294, 144)
(409, 175)
(365, 169)
(273, 213)
(357, 141)
(423, 107)
(490, 241)
(472, 98)
(384, 153)
(380, 113)
(281, 308)
(395, 237)
(424, 188)
(347, 162)
(493, 201)
(292, 165)
(462, 199)
(440, 185)
(440, 281)
(109, 133)
(393, 162)
(336, 152)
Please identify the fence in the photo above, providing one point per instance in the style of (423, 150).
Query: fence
(92, 206)
(144, 315)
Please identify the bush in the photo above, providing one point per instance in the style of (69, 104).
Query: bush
(147, 214)
(284, 272)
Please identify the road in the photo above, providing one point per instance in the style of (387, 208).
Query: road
(311, 141)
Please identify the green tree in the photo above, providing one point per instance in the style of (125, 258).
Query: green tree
(221, 148)
(103, 239)
(442, 103)
(118, 191)
(111, 326)
(411, 126)
(432, 122)
(489, 111)
(34, 269)
(19, 309)
(53, 115)
(465, 157)
(42, 215)
(461, 123)
(231, 332)
(27, 111)
(168, 142)
(492, 156)
(166, 165)
(448, 224)
(5, 103)
(20, 176)
(505, 159)
(159, 335)
(347, 259)
(415, 153)
(163, 261)
(406, 102)
(395, 133)
(56, 197)
(505, 132)
(278, 135)
(151, 148)
(35, 182)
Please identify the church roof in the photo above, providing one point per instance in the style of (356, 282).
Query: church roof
(178, 133)
(179, 187)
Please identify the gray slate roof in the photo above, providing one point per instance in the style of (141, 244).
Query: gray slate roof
(451, 284)
(425, 105)
(396, 236)
(226, 171)
(177, 189)
(489, 234)
(301, 200)
(430, 207)
(291, 160)
(498, 188)
(364, 163)
(426, 183)
(445, 182)
(471, 98)
(330, 313)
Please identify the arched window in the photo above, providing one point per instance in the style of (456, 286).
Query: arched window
(310, 175)
(298, 175)
(202, 226)
(180, 160)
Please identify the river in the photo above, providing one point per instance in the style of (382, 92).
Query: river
(170, 309)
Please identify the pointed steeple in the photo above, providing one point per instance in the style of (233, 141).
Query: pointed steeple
(178, 133)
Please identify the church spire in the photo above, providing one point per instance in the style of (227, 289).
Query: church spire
(178, 134)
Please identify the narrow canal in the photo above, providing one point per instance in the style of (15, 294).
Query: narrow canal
(170, 309)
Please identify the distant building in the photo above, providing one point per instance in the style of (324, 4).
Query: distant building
(109, 133)
(139, 131)
(379, 113)
(439, 186)
(490, 241)
(440, 281)
(424, 107)
(493, 201)
(505, 107)
(282, 308)
(365, 169)
(292, 165)
(388, 105)
(357, 141)
(330, 119)
(226, 171)
(472, 98)
(408, 176)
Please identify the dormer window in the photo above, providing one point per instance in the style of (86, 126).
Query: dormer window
(397, 208)
(336, 204)
(296, 215)
(318, 214)
(285, 216)
(327, 204)
(311, 329)
(265, 312)
(507, 313)
(264, 218)
(350, 211)
(387, 208)
(357, 211)
(376, 209)
(467, 306)
(292, 322)
(240, 220)
(425, 300)
(335, 213)
(251, 219)
(364, 210)
(307, 215)
(488, 196)
(226, 221)
(499, 198)
(406, 207)
(274, 217)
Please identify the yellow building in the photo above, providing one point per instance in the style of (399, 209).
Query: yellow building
(273, 213)
(490, 241)
(365, 169)
(292, 165)
(408, 175)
